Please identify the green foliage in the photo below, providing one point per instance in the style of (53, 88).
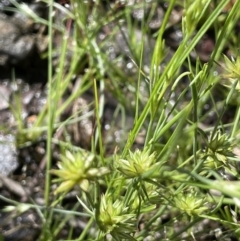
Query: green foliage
(181, 169)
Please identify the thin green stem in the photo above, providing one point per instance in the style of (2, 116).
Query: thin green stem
(99, 129)
(86, 229)
(236, 123)
(50, 110)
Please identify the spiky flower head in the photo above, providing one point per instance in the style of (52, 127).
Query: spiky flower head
(190, 203)
(138, 164)
(192, 14)
(114, 218)
(232, 68)
(77, 169)
(219, 149)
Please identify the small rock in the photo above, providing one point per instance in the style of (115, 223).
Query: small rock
(4, 97)
(8, 157)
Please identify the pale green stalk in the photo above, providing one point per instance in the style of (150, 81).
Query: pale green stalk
(50, 110)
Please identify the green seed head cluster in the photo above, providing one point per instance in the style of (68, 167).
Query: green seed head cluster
(192, 14)
(77, 169)
(115, 218)
(137, 164)
(219, 149)
(190, 203)
(232, 68)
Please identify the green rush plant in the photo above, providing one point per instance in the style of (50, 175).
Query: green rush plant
(185, 171)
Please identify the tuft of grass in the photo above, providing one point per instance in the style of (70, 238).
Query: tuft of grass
(181, 170)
